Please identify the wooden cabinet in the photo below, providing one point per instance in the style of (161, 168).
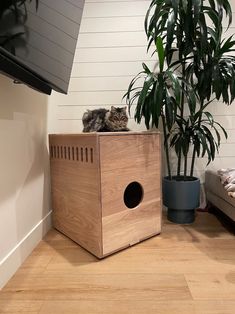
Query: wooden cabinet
(106, 188)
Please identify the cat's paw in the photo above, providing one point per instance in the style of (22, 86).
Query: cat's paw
(231, 194)
(230, 187)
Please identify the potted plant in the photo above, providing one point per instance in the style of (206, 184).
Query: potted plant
(195, 68)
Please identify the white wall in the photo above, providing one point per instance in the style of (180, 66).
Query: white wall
(226, 116)
(111, 46)
(110, 50)
(24, 173)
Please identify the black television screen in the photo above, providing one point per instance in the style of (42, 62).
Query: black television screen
(38, 41)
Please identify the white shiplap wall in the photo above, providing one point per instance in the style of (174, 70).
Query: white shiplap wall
(111, 47)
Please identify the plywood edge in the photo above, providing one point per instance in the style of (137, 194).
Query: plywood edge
(100, 195)
(132, 244)
(91, 134)
(128, 133)
(91, 251)
(65, 135)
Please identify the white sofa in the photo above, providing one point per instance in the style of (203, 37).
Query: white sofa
(217, 195)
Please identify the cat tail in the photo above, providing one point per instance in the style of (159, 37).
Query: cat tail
(86, 118)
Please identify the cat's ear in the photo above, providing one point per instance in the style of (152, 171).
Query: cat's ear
(125, 108)
(112, 108)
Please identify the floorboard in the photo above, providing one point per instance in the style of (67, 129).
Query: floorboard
(186, 269)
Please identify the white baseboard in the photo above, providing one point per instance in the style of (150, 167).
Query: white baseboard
(16, 257)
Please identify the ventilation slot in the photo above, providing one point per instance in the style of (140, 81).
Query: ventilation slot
(92, 158)
(86, 154)
(54, 151)
(81, 154)
(73, 153)
(51, 151)
(77, 154)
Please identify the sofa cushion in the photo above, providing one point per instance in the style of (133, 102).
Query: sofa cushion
(213, 184)
(217, 195)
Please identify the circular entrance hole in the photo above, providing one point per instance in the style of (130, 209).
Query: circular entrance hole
(133, 195)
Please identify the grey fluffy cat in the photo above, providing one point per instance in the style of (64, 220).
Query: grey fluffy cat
(103, 120)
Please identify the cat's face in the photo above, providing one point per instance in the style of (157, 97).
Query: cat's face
(118, 117)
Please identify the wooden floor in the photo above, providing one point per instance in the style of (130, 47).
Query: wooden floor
(187, 269)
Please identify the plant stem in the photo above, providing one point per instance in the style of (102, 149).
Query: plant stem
(193, 162)
(194, 147)
(181, 115)
(185, 166)
(179, 163)
(166, 146)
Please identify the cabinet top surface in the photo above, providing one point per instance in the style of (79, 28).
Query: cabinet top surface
(98, 134)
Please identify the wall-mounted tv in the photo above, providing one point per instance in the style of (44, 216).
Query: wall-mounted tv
(38, 40)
